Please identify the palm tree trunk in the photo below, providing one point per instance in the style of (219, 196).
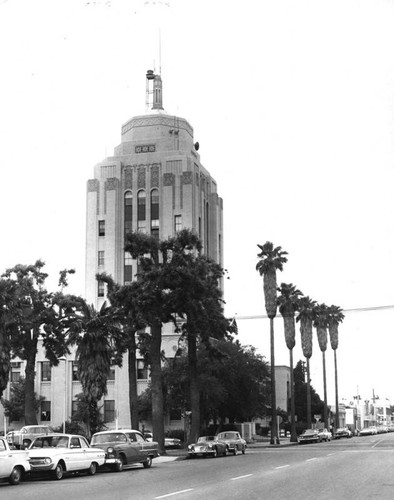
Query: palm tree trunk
(30, 413)
(274, 426)
(325, 391)
(308, 396)
(194, 389)
(293, 431)
(336, 391)
(133, 394)
(157, 386)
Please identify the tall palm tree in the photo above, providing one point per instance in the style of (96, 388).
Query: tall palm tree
(271, 259)
(335, 316)
(305, 317)
(321, 324)
(288, 304)
(97, 335)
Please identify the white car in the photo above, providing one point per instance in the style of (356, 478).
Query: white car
(60, 454)
(13, 463)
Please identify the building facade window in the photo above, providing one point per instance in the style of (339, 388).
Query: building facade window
(100, 258)
(177, 223)
(154, 204)
(128, 212)
(15, 371)
(101, 227)
(141, 207)
(109, 410)
(75, 376)
(111, 375)
(45, 414)
(128, 268)
(45, 371)
(100, 289)
(142, 370)
(74, 408)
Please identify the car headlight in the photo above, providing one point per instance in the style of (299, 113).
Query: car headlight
(110, 450)
(48, 460)
(210, 447)
(190, 447)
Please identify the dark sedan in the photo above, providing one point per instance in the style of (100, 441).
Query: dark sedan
(207, 446)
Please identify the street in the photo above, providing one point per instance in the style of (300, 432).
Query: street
(357, 468)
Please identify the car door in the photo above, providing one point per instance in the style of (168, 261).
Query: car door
(76, 458)
(6, 460)
(134, 448)
(88, 454)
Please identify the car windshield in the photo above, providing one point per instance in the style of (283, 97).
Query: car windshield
(117, 437)
(50, 442)
(205, 438)
(226, 435)
(309, 431)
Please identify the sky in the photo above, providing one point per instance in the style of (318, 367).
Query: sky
(292, 104)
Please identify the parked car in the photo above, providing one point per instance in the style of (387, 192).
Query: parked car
(168, 442)
(207, 446)
(233, 440)
(342, 432)
(13, 463)
(125, 446)
(22, 438)
(309, 436)
(368, 431)
(325, 435)
(59, 454)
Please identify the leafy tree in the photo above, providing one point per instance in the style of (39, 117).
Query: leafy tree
(335, 316)
(8, 301)
(300, 389)
(196, 298)
(232, 385)
(37, 315)
(271, 259)
(14, 408)
(288, 302)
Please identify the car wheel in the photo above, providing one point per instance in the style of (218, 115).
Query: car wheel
(148, 463)
(118, 467)
(92, 469)
(225, 452)
(235, 450)
(243, 451)
(215, 453)
(58, 473)
(16, 476)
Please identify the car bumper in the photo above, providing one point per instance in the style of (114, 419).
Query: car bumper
(200, 453)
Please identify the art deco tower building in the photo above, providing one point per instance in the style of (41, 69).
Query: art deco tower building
(154, 183)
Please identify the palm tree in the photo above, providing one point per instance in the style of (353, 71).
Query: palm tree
(305, 317)
(271, 259)
(321, 324)
(335, 316)
(288, 305)
(97, 335)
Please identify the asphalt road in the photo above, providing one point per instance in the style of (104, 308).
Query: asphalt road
(352, 469)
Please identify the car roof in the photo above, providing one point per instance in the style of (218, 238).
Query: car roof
(116, 430)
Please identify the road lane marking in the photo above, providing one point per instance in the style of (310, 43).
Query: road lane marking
(378, 442)
(311, 459)
(174, 493)
(282, 466)
(240, 477)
